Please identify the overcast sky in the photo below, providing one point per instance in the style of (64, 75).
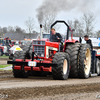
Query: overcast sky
(15, 12)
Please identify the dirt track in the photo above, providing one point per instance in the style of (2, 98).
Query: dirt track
(45, 88)
(3, 61)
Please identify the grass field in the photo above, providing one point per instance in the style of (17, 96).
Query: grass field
(4, 56)
(3, 66)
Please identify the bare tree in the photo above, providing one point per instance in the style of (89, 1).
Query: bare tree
(70, 23)
(19, 29)
(30, 25)
(47, 21)
(98, 34)
(84, 25)
(89, 21)
(1, 33)
(4, 29)
(78, 26)
(10, 29)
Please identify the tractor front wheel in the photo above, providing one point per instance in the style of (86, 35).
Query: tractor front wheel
(61, 71)
(20, 73)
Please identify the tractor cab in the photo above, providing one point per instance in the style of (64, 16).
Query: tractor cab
(66, 41)
(45, 48)
(3, 47)
(46, 35)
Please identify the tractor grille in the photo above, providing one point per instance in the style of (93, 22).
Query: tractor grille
(38, 42)
(39, 50)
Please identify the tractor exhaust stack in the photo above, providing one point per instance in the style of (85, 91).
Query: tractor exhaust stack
(40, 31)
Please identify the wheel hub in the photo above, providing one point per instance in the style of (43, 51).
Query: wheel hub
(87, 61)
(65, 64)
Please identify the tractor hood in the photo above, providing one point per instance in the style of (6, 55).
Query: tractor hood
(15, 48)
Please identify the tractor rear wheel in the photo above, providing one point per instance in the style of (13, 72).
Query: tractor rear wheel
(28, 48)
(85, 59)
(19, 73)
(73, 51)
(6, 54)
(98, 67)
(19, 55)
(11, 57)
(61, 71)
(0, 53)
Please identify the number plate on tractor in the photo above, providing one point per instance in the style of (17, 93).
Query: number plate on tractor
(32, 63)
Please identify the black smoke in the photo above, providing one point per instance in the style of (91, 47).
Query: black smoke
(56, 6)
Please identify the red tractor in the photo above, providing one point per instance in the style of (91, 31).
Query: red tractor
(46, 57)
(4, 47)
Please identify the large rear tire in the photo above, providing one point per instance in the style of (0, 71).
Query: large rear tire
(73, 51)
(6, 54)
(31, 50)
(85, 59)
(11, 57)
(61, 71)
(0, 53)
(28, 48)
(19, 73)
(98, 67)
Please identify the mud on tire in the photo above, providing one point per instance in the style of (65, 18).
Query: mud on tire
(61, 71)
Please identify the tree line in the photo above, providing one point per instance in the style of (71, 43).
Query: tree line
(84, 25)
(16, 29)
(11, 29)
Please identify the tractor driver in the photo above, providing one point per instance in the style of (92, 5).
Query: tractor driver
(55, 37)
(88, 41)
